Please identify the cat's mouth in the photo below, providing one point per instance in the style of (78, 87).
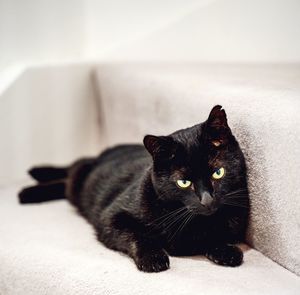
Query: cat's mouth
(205, 211)
(208, 212)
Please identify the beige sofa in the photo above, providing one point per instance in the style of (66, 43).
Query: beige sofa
(56, 114)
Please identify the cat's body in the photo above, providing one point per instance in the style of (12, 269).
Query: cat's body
(136, 206)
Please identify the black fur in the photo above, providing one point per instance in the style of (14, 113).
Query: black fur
(43, 192)
(129, 194)
(45, 174)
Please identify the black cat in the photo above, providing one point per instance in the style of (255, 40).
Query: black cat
(189, 198)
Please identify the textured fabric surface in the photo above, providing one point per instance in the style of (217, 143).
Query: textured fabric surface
(49, 249)
(263, 107)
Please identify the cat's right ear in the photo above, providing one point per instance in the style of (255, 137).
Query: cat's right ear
(217, 129)
(162, 147)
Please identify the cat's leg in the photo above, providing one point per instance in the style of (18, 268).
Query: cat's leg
(150, 259)
(226, 255)
(220, 252)
(45, 174)
(124, 233)
(43, 192)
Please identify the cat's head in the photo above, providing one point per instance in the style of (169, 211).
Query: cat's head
(201, 167)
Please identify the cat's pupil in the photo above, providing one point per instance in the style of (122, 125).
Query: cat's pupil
(218, 171)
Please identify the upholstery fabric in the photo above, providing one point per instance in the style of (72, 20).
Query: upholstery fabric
(49, 249)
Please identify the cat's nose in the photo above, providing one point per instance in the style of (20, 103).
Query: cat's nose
(206, 199)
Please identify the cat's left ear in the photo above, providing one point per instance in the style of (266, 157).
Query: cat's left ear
(217, 129)
(160, 147)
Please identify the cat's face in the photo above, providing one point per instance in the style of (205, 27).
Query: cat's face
(201, 167)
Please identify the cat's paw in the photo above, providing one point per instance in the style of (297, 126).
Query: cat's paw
(154, 261)
(226, 255)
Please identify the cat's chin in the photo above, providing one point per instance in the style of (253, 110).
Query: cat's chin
(206, 211)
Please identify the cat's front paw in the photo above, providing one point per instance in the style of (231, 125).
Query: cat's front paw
(154, 261)
(226, 255)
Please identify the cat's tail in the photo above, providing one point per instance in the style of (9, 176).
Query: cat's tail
(43, 192)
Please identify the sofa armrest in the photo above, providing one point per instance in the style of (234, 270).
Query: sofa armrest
(48, 115)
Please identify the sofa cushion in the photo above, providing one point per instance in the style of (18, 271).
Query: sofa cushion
(49, 249)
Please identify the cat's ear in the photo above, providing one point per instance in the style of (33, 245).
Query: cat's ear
(162, 147)
(217, 129)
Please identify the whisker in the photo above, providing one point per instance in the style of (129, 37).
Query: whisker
(236, 200)
(234, 221)
(177, 220)
(169, 214)
(174, 233)
(166, 218)
(235, 192)
(187, 218)
(186, 222)
(171, 222)
(237, 197)
(236, 204)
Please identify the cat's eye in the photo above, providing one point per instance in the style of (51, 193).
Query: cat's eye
(219, 173)
(183, 183)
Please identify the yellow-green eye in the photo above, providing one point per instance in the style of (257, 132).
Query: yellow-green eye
(218, 173)
(182, 183)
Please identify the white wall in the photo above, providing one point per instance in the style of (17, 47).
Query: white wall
(40, 30)
(220, 30)
(35, 31)
(112, 24)
(43, 31)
